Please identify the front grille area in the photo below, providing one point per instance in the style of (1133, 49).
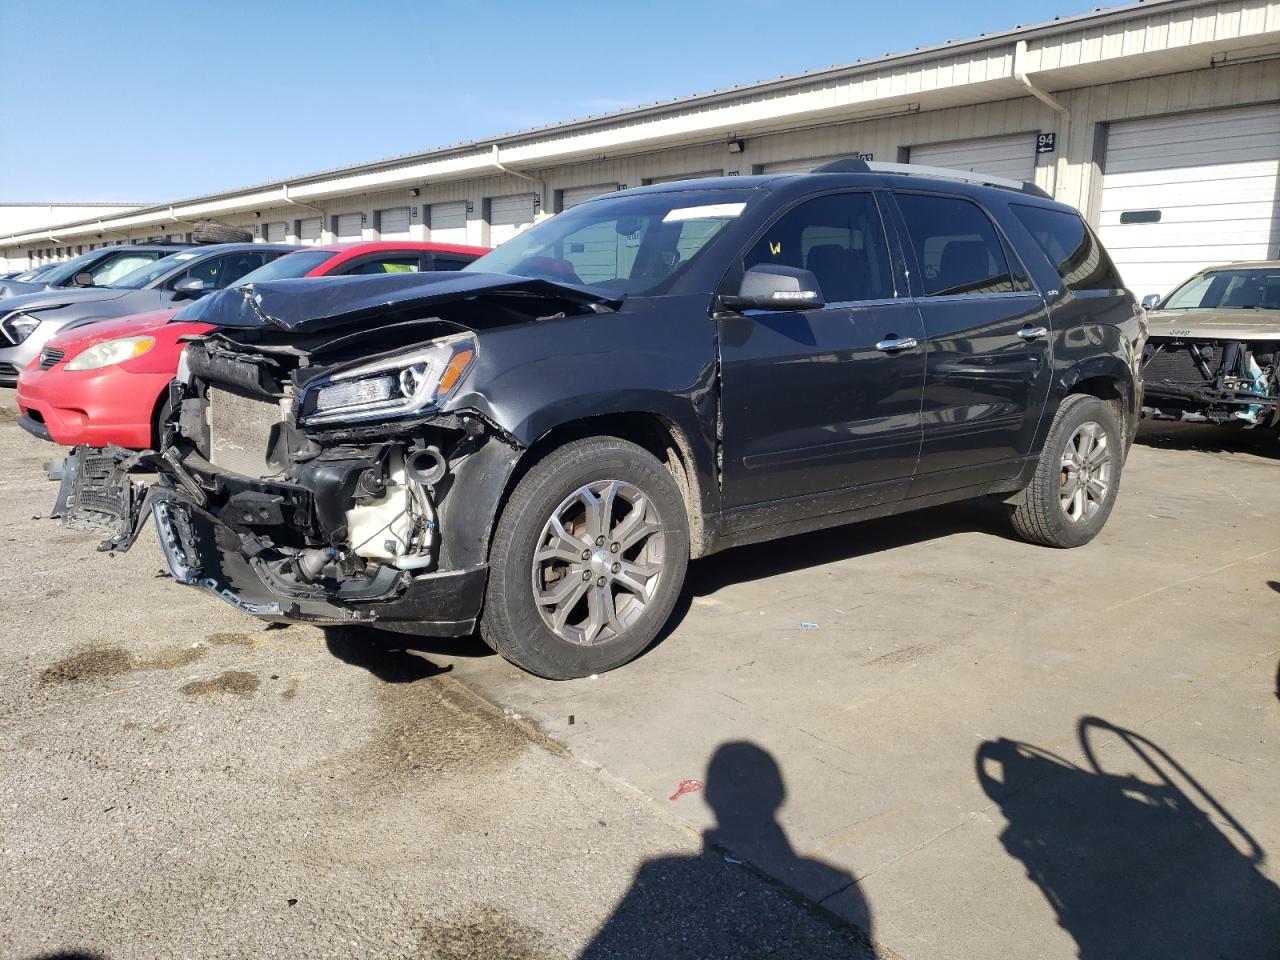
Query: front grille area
(49, 356)
(1173, 364)
(240, 432)
(8, 374)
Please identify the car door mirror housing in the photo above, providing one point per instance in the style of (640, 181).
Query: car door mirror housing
(1151, 300)
(773, 286)
(83, 279)
(189, 289)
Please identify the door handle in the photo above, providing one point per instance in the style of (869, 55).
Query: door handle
(1033, 333)
(893, 344)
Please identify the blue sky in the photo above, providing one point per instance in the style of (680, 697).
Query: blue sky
(152, 101)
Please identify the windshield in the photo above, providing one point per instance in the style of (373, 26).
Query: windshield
(628, 245)
(149, 274)
(67, 269)
(1257, 287)
(289, 266)
(35, 272)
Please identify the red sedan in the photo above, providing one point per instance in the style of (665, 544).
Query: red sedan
(107, 382)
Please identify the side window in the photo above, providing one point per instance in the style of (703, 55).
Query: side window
(1071, 247)
(385, 265)
(113, 268)
(220, 272)
(838, 238)
(439, 262)
(956, 246)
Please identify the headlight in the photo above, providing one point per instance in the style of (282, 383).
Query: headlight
(19, 326)
(107, 352)
(395, 387)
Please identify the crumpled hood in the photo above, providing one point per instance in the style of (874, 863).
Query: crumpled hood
(1216, 324)
(321, 303)
(57, 296)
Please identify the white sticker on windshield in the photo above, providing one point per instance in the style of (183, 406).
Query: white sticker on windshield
(184, 256)
(709, 210)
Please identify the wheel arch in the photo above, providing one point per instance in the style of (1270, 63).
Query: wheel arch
(660, 435)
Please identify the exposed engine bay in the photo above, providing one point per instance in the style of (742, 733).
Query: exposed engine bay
(312, 474)
(1205, 380)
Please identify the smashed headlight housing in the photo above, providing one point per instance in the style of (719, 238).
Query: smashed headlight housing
(399, 386)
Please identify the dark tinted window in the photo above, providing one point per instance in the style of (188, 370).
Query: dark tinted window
(956, 246)
(1071, 247)
(439, 262)
(840, 239)
(218, 272)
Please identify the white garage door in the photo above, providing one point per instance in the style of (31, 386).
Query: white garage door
(508, 216)
(309, 230)
(275, 232)
(393, 224)
(797, 166)
(576, 195)
(347, 226)
(1013, 157)
(671, 178)
(1181, 193)
(449, 222)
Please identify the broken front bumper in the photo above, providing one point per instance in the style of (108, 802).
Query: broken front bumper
(202, 551)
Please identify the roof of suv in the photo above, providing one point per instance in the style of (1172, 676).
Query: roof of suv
(846, 173)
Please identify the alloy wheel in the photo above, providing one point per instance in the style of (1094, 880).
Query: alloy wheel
(1085, 478)
(598, 561)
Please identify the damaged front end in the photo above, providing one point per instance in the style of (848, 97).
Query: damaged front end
(319, 475)
(1205, 379)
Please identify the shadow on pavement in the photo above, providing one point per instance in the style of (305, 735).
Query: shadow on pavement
(761, 560)
(1209, 438)
(1136, 865)
(397, 657)
(716, 904)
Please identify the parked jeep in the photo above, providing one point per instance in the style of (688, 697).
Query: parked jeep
(1214, 351)
(538, 445)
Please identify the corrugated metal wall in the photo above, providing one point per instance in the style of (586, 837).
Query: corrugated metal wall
(1071, 173)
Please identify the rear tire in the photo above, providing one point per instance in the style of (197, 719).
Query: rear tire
(587, 560)
(1074, 488)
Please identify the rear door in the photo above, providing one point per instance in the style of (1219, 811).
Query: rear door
(989, 353)
(814, 404)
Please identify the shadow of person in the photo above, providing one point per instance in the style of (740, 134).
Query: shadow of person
(1133, 866)
(740, 896)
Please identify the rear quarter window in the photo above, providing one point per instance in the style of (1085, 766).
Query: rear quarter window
(1072, 249)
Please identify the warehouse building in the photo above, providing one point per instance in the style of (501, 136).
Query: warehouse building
(1160, 121)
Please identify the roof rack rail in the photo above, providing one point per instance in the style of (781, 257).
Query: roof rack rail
(854, 165)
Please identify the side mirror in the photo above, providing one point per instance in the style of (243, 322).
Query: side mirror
(771, 286)
(188, 289)
(83, 279)
(1151, 300)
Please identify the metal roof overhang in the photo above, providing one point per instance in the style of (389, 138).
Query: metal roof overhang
(985, 69)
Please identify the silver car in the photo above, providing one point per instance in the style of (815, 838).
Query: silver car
(93, 269)
(28, 322)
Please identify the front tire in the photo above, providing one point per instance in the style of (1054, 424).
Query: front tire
(587, 560)
(1077, 479)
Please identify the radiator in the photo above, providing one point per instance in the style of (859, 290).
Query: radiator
(240, 432)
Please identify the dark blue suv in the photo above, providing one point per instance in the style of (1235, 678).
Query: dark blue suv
(538, 444)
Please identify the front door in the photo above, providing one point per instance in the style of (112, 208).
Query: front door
(989, 355)
(818, 407)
